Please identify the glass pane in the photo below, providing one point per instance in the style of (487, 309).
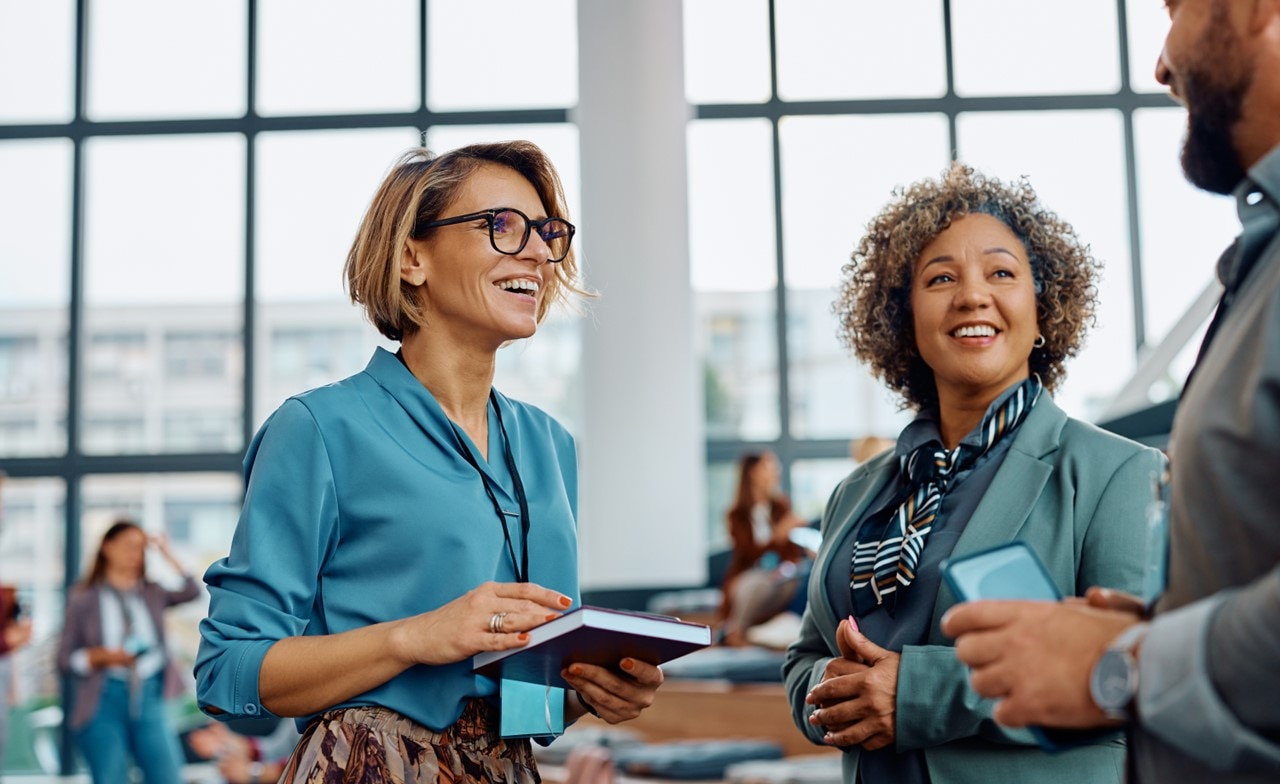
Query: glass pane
(306, 217)
(1075, 162)
(481, 64)
(35, 198)
(32, 542)
(37, 58)
(1148, 26)
(154, 58)
(164, 281)
(738, 332)
(828, 199)
(833, 395)
(813, 481)
(545, 369)
(733, 266)
(722, 483)
(333, 57)
(731, 187)
(826, 203)
(726, 51)
(1012, 47)
(1184, 229)
(197, 513)
(837, 49)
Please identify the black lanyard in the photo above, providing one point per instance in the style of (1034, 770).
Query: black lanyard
(522, 568)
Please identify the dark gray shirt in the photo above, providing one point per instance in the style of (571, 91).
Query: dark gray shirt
(910, 624)
(1210, 664)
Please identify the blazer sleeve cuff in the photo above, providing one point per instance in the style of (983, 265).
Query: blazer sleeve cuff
(1177, 701)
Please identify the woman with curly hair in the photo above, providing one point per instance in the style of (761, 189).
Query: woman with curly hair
(967, 297)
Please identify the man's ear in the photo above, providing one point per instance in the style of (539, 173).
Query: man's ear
(1265, 16)
(413, 263)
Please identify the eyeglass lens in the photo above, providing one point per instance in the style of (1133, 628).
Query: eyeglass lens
(511, 231)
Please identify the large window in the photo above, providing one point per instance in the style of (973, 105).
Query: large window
(176, 209)
(808, 113)
(175, 226)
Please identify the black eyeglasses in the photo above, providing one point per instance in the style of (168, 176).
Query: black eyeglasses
(509, 230)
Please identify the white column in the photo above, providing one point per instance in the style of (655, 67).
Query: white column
(642, 443)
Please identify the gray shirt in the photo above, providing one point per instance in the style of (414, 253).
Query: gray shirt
(910, 623)
(1209, 687)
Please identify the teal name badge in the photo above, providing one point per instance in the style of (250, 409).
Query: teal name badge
(531, 710)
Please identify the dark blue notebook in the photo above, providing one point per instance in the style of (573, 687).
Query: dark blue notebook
(593, 635)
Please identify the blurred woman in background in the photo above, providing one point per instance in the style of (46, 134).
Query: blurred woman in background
(763, 574)
(113, 646)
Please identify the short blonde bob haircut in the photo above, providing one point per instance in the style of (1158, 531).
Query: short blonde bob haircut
(419, 187)
(874, 304)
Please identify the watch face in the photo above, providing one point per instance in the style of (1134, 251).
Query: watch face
(1110, 683)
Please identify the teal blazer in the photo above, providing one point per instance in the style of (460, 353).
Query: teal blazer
(1077, 495)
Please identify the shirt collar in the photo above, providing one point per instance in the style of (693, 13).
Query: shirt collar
(1257, 199)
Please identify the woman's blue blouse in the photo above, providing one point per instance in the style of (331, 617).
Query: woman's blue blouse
(361, 508)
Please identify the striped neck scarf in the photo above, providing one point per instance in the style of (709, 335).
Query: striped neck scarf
(887, 550)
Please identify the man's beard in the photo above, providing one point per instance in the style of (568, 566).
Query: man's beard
(1215, 103)
(1209, 156)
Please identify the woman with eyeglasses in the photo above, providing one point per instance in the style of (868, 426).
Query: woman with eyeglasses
(966, 296)
(400, 521)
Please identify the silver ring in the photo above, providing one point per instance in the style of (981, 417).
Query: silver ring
(496, 622)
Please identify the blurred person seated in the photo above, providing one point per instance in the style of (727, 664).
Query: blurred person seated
(765, 565)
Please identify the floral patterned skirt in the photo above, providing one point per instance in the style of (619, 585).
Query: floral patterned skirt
(380, 746)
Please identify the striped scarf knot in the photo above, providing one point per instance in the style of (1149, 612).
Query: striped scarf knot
(886, 552)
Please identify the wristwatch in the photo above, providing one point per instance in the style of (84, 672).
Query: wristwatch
(1114, 681)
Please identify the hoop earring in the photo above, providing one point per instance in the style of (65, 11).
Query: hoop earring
(1039, 341)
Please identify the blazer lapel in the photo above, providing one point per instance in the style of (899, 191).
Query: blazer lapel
(1014, 490)
(861, 491)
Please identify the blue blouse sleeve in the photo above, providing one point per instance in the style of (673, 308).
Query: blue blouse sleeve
(265, 588)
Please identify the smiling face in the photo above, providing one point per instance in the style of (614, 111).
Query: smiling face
(469, 290)
(973, 305)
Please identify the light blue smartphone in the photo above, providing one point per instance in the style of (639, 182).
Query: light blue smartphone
(1010, 571)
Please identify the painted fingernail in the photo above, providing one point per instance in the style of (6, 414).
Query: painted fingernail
(853, 623)
(522, 637)
(551, 617)
(628, 665)
(575, 670)
(565, 601)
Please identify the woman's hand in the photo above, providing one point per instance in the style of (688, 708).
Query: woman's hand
(857, 698)
(17, 634)
(215, 740)
(491, 617)
(782, 531)
(161, 542)
(616, 697)
(102, 657)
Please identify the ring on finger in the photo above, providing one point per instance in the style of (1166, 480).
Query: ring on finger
(497, 621)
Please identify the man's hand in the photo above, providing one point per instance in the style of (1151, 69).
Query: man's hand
(1035, 657)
